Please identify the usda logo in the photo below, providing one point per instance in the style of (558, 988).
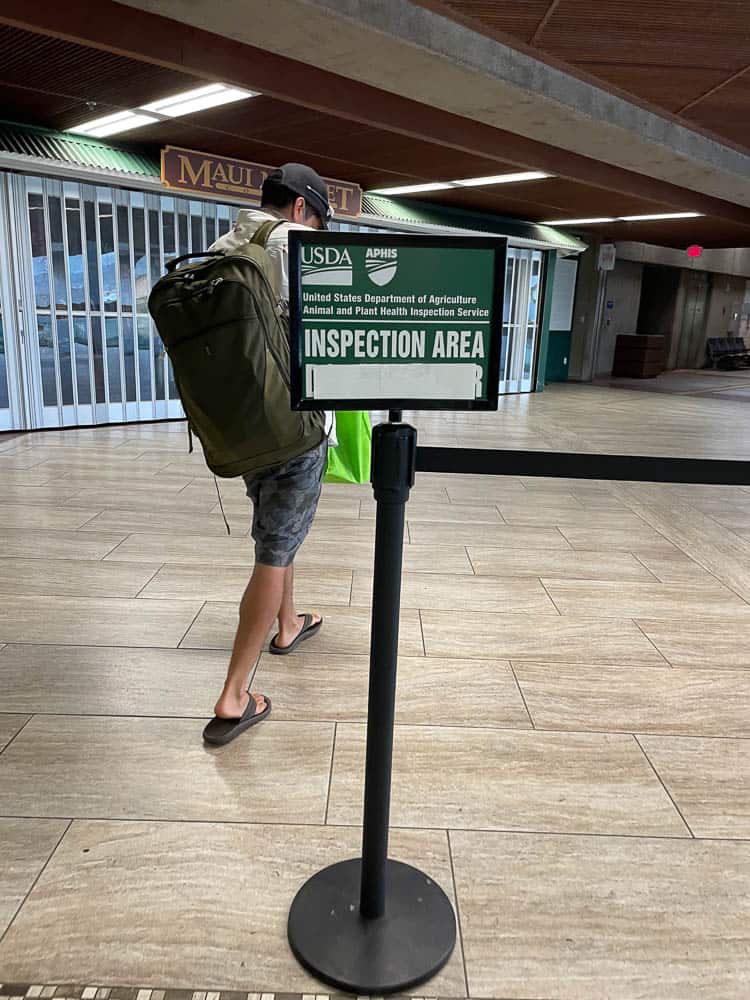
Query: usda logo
(381, 264)
(326, 266)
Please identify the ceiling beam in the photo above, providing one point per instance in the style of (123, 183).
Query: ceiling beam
(152, 38)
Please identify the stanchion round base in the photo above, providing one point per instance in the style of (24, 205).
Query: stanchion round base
(407, 946)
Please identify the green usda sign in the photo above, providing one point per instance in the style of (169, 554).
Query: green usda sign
(395, 322)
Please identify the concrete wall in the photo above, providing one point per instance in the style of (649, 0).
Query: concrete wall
(649, 296)
(622, 302)
(725, 306)
(582, 339)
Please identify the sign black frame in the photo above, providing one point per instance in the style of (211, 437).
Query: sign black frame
(298, 238)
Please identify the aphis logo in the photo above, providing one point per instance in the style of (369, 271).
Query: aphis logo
(326, 266)
(381, 264)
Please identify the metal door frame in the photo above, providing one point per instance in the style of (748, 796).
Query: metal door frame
(15, 321)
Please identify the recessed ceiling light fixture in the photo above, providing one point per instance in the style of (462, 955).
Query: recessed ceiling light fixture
(623, 218)
(576, 222)
(187, 103)
(198, 99)
(527, 175)
(120, 121)
(658, 218)
(416, 188)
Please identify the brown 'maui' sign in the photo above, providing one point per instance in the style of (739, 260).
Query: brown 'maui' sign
(200, 173)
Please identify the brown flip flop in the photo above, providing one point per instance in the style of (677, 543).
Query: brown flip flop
(308, 630)
(221, 731)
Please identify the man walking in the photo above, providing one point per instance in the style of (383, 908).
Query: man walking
(285, 497)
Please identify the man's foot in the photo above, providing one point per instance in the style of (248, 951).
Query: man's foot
(232, 707)
(288, 638)
(221, 730)
(287, 635)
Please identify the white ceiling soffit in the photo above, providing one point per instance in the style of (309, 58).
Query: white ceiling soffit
(405, 49)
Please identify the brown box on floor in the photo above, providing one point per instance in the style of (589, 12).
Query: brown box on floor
(639, 356)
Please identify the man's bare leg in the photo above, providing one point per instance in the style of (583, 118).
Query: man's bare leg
(290, 623)
(259, 607)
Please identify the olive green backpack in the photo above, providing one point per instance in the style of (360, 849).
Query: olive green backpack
(222, 324)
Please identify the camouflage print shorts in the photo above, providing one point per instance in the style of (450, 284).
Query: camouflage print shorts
(285, 499)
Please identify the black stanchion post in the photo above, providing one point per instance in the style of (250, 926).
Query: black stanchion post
(394, 456)
(373, 925)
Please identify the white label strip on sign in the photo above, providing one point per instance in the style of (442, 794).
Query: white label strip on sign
(410, 381)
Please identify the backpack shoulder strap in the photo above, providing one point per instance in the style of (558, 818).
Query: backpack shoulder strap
(264, 230)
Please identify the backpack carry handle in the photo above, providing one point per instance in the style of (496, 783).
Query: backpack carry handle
(172, 264)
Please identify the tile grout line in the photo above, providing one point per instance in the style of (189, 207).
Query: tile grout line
(114, 549)
(544, 587)
(421, 629)
(17, 734)
(629, 662)
(187, 630)
(458, 912)
(663, 785)
(473, 570)
(151, 580)
(523, 696)
(500, 513)
(639, 560)
(88, 520)
(362, 720)
(330, 774)
(36, 880)
(351, 589)
(650, 640)
(567, 541)
(358, 826)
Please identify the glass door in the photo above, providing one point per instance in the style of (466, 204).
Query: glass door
(88, 259)
(523, 282)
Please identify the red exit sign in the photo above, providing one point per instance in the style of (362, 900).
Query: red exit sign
(694, 251)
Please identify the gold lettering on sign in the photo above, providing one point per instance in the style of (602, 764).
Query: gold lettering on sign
(192, 171)
(194, 178)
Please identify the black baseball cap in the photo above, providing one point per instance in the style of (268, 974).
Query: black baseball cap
(308, 184)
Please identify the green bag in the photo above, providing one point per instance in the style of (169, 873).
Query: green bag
(223, 328)
(349, 461)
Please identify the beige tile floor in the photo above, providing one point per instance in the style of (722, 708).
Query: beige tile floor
(572, 754)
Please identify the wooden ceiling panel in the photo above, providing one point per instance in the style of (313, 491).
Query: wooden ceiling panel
(706, 33)
(59, 78)
(420, 161)
(77, 71)
(181, 132)
(667, 54)
(727, 111)
(707, 233)
(35, 108)
(286, 124)
(260, 116)
(520, 19)
(668, 87)
(544, 200)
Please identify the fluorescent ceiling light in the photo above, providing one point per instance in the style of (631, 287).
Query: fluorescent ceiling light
(528, 175)
(656, 218)
(121, 121)
(623, 218)
(416, 188)
(575, 222)
(198, 99)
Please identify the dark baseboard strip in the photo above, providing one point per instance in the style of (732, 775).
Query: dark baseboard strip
(568, 465)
